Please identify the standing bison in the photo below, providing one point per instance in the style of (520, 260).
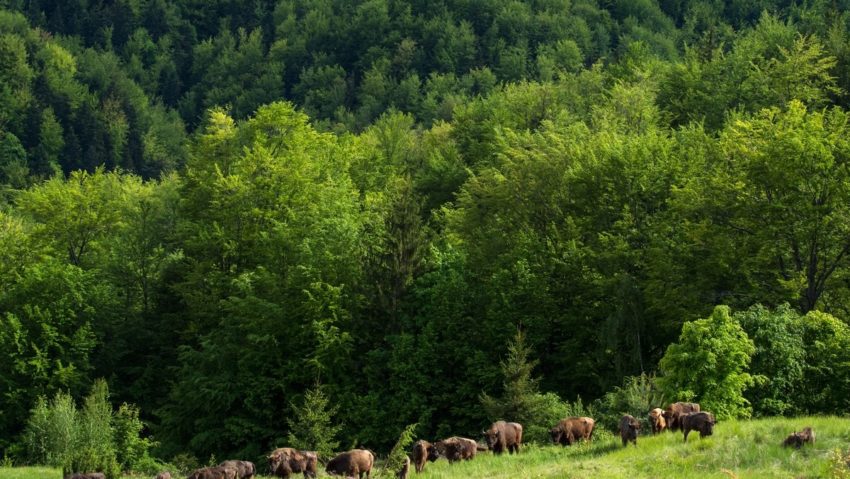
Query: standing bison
(657, 421)
(163, 475)
(503, 436)
(244, 469)
(456, 448)
(355, 462)
(629, 427)
(698, 421)
(569, 430)
(285, 461)
(675, 411)
(423, 451)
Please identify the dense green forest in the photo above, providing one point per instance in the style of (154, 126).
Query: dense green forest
(225, 207)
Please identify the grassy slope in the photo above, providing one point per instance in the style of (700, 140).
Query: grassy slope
(743, 449)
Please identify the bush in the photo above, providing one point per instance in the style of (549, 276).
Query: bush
(637, 396)
(709, 365)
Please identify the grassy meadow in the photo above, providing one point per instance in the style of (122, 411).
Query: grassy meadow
(739, 449)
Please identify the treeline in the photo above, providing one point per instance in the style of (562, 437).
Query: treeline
(594, 177)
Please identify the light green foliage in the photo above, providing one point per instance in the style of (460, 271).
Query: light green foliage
(131, 449)
(396, 456)
(313, 426)
(709, 365)
(637, 396)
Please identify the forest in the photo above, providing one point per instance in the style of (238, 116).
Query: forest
(230, 217)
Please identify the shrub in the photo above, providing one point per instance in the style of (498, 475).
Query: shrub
(637, 396)
(709, 365)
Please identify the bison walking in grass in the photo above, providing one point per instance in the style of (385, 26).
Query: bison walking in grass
(629, 427)
(244, 469)
(423, 451)
(657, 421)
(798, 439)
(355, 462)
(673, 414)
(570, 430)
(285, 461)
(457, 448)
(698, 421)
(504, 436)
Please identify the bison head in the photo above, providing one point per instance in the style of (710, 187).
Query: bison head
(491, 436)
(433, 454)
(555, 433)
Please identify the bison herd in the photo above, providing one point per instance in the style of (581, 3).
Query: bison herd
(500, 437)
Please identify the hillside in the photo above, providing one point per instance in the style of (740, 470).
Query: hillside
(738, 449)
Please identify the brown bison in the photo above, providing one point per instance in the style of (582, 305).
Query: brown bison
(456, 448)
(675, 411)
(355, 462)
(88, 475)
(284, 461)
(797, 439)
(244, 469)
(657, 421)
(698, 421)
(503, 436)
(405, 469)
(629, 427)
(216, 472)
(423, 451)
(570, 430)
(163, 475)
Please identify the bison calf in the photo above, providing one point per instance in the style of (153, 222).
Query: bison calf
(503, 436)
(423, 451)
(217, 472)
(405, 469)
(355, 462)
(698, 421)
(657, 421)
(629, 427)
(797, 439)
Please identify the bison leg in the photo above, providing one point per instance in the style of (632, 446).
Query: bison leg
(686, 434)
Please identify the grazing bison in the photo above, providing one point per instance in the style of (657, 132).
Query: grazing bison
(698, 421)
(457, 448)
(89, 475)
(503, 436)
(675, 411)
(570, 430)
(244, 469)
(284, 461)
(797, 439)
(657, 421)
(163, 475)
(423, 451)
(217, 472)
(405, 469)
(629, 427)
(355, 462)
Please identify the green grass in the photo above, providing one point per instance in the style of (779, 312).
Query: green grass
(742, 449)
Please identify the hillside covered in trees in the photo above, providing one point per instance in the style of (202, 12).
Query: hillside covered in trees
(223, 208)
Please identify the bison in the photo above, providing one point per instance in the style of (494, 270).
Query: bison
(284, 461)
(216, 472)
(657, 421)
(503, 436)
(457, 448)
(675, 411)
(629, 427)
(163, 475)
(405, 469)
(355, 462)
(423, 451)
(797, 439)
(698, 421)
(88, 475)
(569, 430)
(244, 469)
